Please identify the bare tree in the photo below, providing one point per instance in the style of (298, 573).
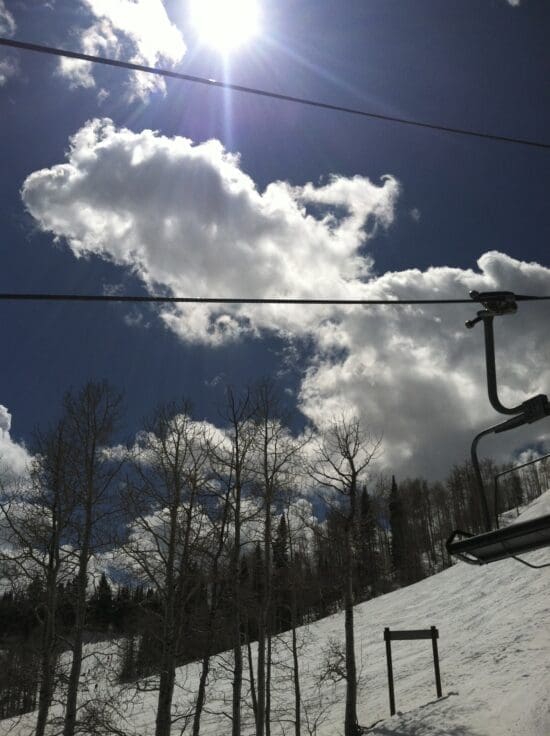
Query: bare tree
(35, 528)
(232, 467)
(219, 518)
(164, 496)
(55, 490)
(275, 452)
(343, 453)
(90, 416)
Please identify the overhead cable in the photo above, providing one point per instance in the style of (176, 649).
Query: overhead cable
(40, 48)
(239, 300)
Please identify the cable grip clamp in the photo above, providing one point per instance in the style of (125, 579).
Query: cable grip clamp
(495, 303)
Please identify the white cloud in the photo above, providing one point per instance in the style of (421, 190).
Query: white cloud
(189, 221)
(417, 375)
(139, 31)
(14, 457)
(186, 217)
(8, 68)
(7, 21)
(8, 65)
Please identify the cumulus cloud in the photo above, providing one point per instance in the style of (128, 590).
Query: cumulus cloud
(188, 220)
(8, 68)
(187, 217)
(137, 30)
(14, 458)
(417, 375)
(7, 21)
(8, 64)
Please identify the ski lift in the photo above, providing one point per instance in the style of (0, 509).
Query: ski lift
(523, 536)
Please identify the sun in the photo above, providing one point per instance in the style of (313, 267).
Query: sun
(225, 24)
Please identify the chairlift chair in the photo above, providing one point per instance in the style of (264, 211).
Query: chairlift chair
(524, 536)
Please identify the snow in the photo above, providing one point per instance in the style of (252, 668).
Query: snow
(494, 646)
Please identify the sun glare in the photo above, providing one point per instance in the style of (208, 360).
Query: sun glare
(225, 24)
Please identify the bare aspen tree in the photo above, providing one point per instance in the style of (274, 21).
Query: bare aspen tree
(275, 452)
(297, 551)
(91, 416)
(49, 475)
(232, 464)
(37, 527)
(343, 453)
(170, 474)
(219, 518)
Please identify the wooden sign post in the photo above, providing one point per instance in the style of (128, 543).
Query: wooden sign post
(431, 633)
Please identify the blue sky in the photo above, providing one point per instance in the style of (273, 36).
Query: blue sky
(283, 201)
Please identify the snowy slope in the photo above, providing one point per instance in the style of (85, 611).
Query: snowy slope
(494, 652)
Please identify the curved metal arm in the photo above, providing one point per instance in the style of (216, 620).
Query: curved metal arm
(491, 369)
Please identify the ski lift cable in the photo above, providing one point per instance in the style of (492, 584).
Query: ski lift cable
(147, 298)
(131, 66)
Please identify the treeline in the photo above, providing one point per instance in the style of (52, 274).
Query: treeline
(214, 539)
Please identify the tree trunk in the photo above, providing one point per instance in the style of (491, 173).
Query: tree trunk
(295, 664)
(201, 695)
(237, 650)
(163, 722)
(268, 686)
(47, 669)
(80, 617)
(350, 724)
(76, 663)
(251, 676)
(48, 658)
(260, 715)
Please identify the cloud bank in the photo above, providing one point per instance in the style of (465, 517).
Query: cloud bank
(188, 220)
(139, 31)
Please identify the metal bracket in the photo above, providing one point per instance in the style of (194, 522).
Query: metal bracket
(496, 304)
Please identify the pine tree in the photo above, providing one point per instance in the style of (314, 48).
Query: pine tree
(397, 523)
(368, 572)
(281, 581)
(101, 604)
(280, 546)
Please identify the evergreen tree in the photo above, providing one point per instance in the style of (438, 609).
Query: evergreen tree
(129, 665)
(101, 606)
(281, 577)
(280, 546)
(398, 526)
(368, 568)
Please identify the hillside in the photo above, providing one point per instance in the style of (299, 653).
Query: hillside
(494, 652)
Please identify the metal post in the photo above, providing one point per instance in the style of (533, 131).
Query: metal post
(435, 635)
(387, 639)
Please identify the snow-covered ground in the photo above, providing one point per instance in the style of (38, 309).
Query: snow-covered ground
(494, 650)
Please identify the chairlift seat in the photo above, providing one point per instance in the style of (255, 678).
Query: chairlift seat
(516, 539)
